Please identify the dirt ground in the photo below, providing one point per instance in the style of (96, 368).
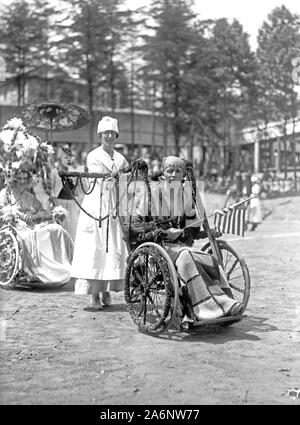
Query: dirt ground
(55, 352)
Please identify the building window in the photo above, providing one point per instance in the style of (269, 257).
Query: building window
(103, 98)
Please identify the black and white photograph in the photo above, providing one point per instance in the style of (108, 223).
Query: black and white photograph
(149, 206)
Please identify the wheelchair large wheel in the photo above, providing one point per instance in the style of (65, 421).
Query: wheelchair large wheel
(9, 257)
(151, 288)
(236, 271)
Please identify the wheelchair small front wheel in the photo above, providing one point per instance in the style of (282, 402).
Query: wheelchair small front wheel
(9, 257)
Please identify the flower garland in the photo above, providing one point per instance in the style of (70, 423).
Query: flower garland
(59, 214)
(9, 214)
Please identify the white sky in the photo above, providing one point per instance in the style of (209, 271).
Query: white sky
(251, 14)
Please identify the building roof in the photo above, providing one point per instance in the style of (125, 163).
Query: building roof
(273, 130)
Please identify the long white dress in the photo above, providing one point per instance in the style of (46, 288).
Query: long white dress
(46, 248)
(255, 209)
(100, 253)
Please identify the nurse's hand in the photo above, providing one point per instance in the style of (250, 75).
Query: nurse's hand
(110, 183)
(173, 234)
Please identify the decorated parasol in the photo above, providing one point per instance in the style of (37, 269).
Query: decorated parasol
(54, 116)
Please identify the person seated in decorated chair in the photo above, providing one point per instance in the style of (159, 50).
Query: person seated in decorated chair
(205, 292)
(46, 248)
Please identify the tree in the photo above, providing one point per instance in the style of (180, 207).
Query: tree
(82, 34)
(25, 42)
(233, 69)
(48, 68)
(91, 35)
(278, 45)
(119, 24)
(218, 85)
(166, 55)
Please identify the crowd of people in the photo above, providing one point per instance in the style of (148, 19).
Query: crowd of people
(272, 183)
(97, 260)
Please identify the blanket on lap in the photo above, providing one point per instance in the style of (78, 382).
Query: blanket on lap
(199, 273)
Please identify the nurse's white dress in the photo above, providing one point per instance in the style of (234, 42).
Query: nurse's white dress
(100, 253)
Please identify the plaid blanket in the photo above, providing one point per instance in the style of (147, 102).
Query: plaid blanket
(199, 273)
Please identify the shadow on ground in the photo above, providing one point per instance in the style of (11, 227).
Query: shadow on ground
(218, 334)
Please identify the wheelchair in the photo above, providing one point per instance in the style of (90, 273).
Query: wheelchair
(13, 272)
(152, 288)
(10, 256)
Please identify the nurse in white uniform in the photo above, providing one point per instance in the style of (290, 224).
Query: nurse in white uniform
(100, 252)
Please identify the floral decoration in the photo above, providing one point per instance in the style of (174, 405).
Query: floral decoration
(59, 213)
(21, 150)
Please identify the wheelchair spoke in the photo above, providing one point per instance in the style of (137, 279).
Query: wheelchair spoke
(154, 306)
(236, 270)
(146, 269)
(237, 288)
(145, 309)
(236, 277)
(227, 259)
(137, 274)
(232, 268)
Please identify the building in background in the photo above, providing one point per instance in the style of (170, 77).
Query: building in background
(144, 134)
(270, 149)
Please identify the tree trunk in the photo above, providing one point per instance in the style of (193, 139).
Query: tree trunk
(153, 116)
(89, 79)
(19, 78)
(176, 141)
(285, 150)
(294, 155)
(46, 86)
(279, 160)
(23, 79)
(177, 130)
(191, 150)
(294, 114)
(91, 108)
(132, 113)
(23, 88)
(165, 123)
(112, 84)
(191, 147)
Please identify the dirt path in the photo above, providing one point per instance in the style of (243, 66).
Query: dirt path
(54, 352)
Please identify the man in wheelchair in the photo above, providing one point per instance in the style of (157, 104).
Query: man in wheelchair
(204, 290)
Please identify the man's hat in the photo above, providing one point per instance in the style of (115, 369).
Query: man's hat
(106, 124)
